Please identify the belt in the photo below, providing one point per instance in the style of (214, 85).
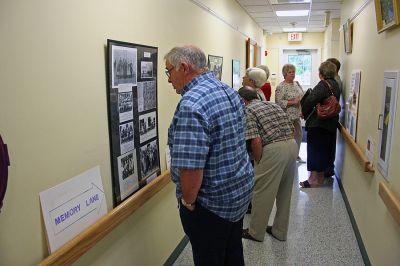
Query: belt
(277, 140)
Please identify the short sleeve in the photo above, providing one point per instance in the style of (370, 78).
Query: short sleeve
(190, 139)
(251, 125)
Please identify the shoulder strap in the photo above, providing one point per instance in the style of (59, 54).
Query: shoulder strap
(329, 86)
(298, 84)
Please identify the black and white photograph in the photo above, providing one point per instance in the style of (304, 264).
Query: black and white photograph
(215, 65)
(149, 159)
(146, 69)
(147, 126)
(125, 106)
(124, 66)
(146, 92)
(128, 176)
(126, 137)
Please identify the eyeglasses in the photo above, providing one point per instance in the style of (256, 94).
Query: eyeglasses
(168, 73)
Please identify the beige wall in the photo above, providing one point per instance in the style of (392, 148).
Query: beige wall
(331, 40)
(373, 53)
(275, 42)
(53, 109)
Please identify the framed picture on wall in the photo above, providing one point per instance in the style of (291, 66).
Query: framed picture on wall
(236, 74)
(215, 65)
(251, 52)
(387, 14)
(348, 36)
(354, 100)
(386, 120)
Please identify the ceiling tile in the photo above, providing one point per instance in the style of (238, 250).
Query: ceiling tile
(252, 2)
(263, 12)
(291, 7)
(263, 8)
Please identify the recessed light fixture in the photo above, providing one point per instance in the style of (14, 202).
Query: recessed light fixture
(292, 13)
(294, 29)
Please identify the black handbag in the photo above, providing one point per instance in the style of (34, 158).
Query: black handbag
(303, 99)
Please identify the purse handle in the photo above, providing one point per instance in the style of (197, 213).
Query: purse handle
(329, 86)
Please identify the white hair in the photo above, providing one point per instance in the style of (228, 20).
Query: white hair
(265, 68)
(257, 75)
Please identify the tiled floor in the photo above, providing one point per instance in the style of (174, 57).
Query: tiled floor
(320, 231)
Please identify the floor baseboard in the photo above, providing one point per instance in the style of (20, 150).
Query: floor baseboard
(354, 225)
(177, 251)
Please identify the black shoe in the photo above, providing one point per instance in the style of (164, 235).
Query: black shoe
(246, 235)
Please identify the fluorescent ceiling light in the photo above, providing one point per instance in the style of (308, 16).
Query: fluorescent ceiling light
(294, 29)
(292, 13)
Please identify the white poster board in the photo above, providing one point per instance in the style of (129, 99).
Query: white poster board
(72, 206)
(353, 102)
(386, 120)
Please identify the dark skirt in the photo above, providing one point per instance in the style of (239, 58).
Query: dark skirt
(321, 145)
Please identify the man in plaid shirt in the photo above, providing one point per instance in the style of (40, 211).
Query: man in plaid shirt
(209, 162)
(274, 151)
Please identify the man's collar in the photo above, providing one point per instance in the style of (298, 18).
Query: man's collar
(195, 81)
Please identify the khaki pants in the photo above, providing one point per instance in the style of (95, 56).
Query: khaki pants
(274, 176)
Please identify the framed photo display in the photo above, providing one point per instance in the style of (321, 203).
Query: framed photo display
(387, 14)
(215, 65)
(348, 36)
(387, 120)
(236, 82)
(132, 116)
(353, 103)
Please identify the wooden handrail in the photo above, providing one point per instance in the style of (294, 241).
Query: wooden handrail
(391, 201)
(356, 149)
(77, 246)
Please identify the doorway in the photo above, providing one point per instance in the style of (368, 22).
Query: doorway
(306, 60)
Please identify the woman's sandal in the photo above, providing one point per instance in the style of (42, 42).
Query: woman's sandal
(306, 184)
(246, 235)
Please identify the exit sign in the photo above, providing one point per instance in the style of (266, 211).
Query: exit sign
(295, 36)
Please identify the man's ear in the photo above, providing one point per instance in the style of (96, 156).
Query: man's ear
(185, 67)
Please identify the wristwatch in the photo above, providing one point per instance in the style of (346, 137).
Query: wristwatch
(184, 203)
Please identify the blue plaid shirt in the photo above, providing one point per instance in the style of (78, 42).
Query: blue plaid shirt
(207, 132)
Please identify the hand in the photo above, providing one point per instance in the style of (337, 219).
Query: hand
(191, 208)
(294, 101)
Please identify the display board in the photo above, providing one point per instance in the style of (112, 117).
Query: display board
(386, 120)
(353, 103)
(132, 116)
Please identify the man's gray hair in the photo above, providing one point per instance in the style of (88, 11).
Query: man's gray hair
(188, 54)
(265, 68)
(257, 75)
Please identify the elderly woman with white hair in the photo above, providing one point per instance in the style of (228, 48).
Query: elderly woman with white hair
(288, 95)
(266, 88)
(255, 78)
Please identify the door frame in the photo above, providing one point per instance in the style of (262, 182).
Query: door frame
(304, 47)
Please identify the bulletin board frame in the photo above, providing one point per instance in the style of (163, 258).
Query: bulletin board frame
(132, 116)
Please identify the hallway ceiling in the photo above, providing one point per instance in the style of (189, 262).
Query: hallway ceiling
(263, 12)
